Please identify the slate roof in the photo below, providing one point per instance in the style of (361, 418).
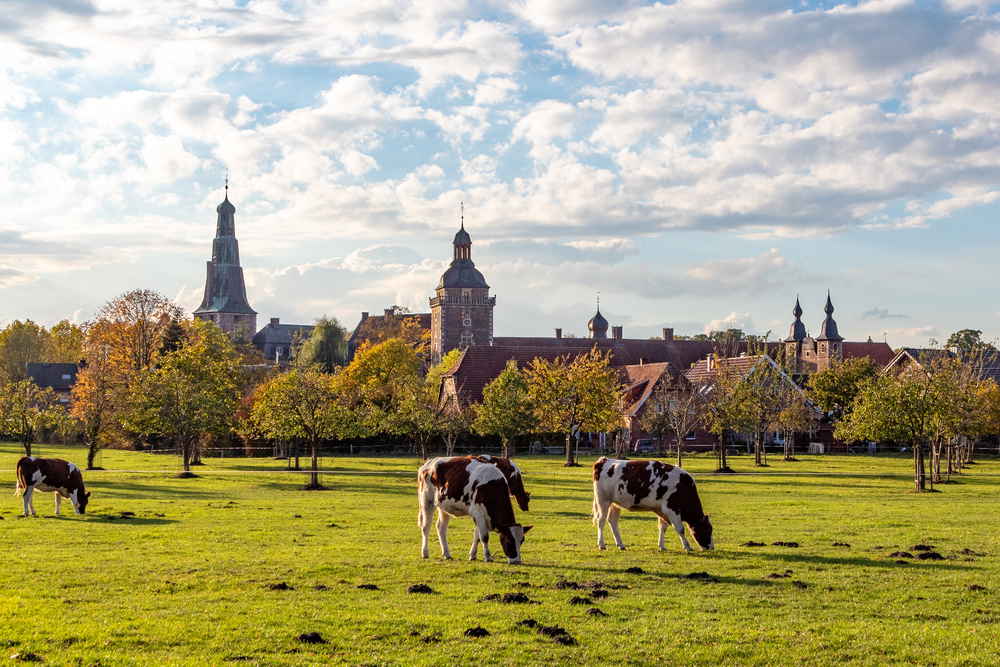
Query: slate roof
(60, 377)
(225, 291)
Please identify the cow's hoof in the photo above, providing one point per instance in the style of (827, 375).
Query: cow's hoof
(487, 560)
(602, 548)
(447, 557)
(621, 548)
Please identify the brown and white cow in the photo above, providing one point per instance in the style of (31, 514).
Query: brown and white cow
(465, 486)
(50, 475)
(650, 486)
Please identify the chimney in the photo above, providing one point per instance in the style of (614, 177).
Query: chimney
(711, 362)
(364, 315)
(668, 334)
(388, 312)
(558, 333)
(274, 321)
(616, 333)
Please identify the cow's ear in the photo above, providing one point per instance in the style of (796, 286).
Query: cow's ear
(527, 528)
(87, 494)
(527, 494)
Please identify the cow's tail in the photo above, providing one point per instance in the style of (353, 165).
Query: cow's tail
(593, 512)
(19, 485)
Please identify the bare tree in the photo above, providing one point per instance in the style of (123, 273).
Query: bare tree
(677, 407)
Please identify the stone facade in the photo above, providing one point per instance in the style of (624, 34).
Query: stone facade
(462, 309)
(225, 302)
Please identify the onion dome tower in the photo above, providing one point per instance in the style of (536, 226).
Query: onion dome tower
(462, 310)
(598, 326)
(797, 334)
(829, 343)
(225, 302)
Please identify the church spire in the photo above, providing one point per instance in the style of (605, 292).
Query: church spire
(798, 330)
(829, 328)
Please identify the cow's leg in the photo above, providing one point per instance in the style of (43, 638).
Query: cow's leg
(678, 525)
(424, 516)
(663, 529)
(483, 535)
(442, 528)
(29, 508)
(58, 502)
(615, 513)
(600, 516)
(475, 543)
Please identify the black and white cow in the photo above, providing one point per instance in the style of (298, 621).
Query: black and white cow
(650, 486)
(465, 486)
(50, 475)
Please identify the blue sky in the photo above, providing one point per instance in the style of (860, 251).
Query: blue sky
(699, 163)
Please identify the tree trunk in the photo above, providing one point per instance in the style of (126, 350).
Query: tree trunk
(314, 475)
(757, 447)
(936, 461)
(570, 459)
(680, 446)
(295, 444)
(505, 448)
(27, 448)
(919, 474)
(92, 446)
(722, 452)
(186, 453)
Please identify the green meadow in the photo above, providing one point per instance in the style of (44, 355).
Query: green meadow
(232, 567)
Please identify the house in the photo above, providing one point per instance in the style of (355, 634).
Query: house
(58, 377)
(276, 340)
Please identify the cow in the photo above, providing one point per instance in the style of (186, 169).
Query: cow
(465, 486)
(55, 475)
(649, 486)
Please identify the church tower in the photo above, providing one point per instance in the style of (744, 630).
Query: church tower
(462, 310)
(794, 342)
(225, 301)
(829, 343)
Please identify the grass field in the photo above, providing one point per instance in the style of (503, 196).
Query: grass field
(188, 579)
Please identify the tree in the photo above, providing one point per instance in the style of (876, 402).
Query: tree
(27, 409)
(400, 323)
(506, 410)
(835, 388)
(21, 343)
(95, 397)
(570, 396)
(303, 403)
(64, 344)
(192, 393)
(969, 341)
(773, 401)
(378, 382)
(900, 409)
(676, 406)
(729, 405)
(136, 322)
(326, 347)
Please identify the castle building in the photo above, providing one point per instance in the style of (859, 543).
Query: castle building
(225, 302)
(462, 308)
(808, 355)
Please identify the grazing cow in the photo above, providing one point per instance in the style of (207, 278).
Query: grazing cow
(649, 486)
(513, 476)
(55, 475)
(464, 486)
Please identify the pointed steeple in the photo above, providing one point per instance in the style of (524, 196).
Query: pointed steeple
(798, 331)
(829, 328)
(225, 301)
(598, 325)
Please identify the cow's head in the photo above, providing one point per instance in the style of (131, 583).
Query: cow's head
(80, 500)
(702, 533)
(511, 539)
(523, 499)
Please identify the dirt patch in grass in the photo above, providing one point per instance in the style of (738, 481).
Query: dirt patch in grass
(599, 594)
(580, 600)
(842, 544)
(552, 631)
(702, 576)
(751, 543)
(922, 547)
(800, 584)
(320, 587)
(564, 585)
(930, 555)
(369, 587)
(515, 598)
(900, 554)
(476, 632)
(780, 575)
(635, 570)
(976, 587)
(594, 611)
(790, 545)
(280, 586)
(185, 475)
(419, 588)
(527, 623)
(311, 638)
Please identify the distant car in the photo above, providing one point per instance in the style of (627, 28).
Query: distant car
(644, 447)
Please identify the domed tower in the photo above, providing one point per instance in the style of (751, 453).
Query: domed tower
(462, 310)
(793, 344)
(829, 343)
(225, 301)
(598, 326)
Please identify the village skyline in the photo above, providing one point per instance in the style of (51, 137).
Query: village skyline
(700, 166)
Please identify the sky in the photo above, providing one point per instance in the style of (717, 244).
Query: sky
(699, 164)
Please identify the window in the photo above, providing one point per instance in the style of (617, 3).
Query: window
(67, 377)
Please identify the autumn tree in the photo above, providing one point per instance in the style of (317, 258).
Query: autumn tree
(303, 403)
(21, 343)
(64, 344)
(834, 389)
(27, 409)
(326, 347)
(397, 323)
(193, 391)
(378, 382)
(135, 324)
(573, 395)
(96, 395)
(773, 402)
(677, 407)
(506, 410)
(729, 403)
